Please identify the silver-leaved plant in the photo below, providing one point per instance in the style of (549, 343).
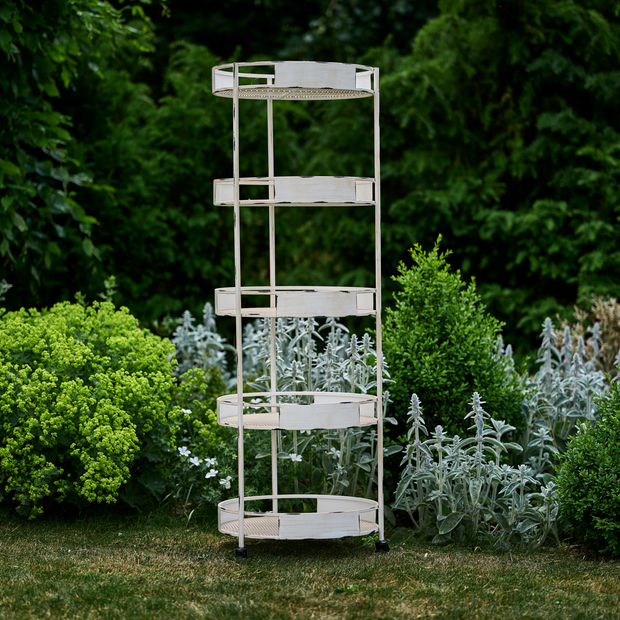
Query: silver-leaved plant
(459, 490)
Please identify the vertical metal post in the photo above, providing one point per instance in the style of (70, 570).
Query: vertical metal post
(378, 308)
(272, 284)
(238, 322)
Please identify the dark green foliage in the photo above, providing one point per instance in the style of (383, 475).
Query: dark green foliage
(85, 401)
(502, 130)
(439, 343)
(44, 45)
(499, 131)
(589, 479)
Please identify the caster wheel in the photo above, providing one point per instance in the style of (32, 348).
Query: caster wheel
(382, 546)
(241, 553)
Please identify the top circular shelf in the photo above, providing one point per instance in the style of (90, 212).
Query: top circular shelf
(293, 80)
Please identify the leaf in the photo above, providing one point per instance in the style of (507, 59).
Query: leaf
(501, 519)
(8, 167)
(403, 485)
(441, 538)
(19, 222)
(58, 204)
(390, 450)
(450, 522)
(328, 464)
(5, 37)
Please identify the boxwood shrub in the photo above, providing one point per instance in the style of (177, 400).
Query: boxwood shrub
(439, 343)
(589, 479)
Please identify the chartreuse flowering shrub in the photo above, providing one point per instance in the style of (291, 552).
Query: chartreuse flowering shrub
(85, 394)
(589, 478)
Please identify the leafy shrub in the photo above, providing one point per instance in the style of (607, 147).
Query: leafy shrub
(85, 397)
(589, 479)
(440, 344)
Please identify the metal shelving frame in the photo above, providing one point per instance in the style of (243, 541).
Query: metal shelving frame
(336, 516)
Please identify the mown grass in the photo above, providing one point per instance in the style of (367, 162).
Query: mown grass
(119, 566)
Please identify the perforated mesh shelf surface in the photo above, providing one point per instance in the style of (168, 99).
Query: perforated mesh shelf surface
(272, 421)
(311, 94)
(268, 527)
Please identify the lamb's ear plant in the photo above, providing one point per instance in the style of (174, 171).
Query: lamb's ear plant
(310, 358)
(561, 395)
(326, 359)
(199, 346)
(458, 490)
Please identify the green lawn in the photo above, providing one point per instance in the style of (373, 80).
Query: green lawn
(117, 566)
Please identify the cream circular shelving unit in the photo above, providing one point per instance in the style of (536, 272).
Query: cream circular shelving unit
(335, 515)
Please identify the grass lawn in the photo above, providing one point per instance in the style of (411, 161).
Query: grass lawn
(114, 565)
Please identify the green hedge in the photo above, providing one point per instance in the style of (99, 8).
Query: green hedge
(589, 479)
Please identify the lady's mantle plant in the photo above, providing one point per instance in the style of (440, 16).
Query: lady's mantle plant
(83, 393)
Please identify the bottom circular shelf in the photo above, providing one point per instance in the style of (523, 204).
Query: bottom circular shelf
(336, 516)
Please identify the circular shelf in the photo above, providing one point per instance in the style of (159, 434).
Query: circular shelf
(308, 191)
(295, 80)
(324, 410)
(336, 516)
(298, 301)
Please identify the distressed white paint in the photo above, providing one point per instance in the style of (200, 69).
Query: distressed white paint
(320, 190)
(315, 189)
(319, 525)
(316, 304)
(299, 302)
(225, 410)
(364, 190)
(365, 302)
(362, 80)
(365, 508)
(329, 415)
(315, 75)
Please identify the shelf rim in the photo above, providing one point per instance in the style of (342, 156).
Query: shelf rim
(354, 398)
(371, 503)
(294, 93)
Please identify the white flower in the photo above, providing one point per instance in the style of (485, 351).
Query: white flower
(225, 482)
(195, 461)
(186, 410)
(183, 451)
(212, 472)
(308, 432)
(295, 457)
(255, 401)
(210, 462)
(335, 453)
